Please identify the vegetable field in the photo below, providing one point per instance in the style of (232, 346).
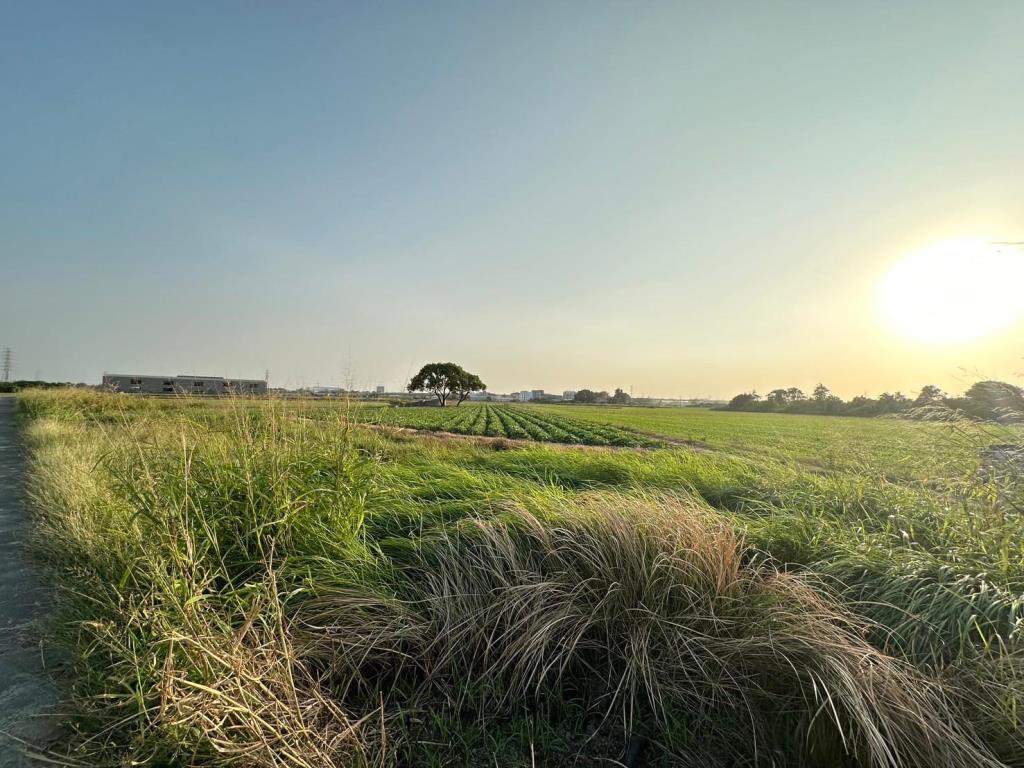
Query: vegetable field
(517, 423)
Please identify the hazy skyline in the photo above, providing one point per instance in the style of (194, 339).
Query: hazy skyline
(686, 199)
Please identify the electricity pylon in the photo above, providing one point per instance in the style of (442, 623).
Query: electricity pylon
(6, 364)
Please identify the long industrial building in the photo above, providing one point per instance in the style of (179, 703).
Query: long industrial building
(210, 386)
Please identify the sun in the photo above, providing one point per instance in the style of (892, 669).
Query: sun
(954, 292)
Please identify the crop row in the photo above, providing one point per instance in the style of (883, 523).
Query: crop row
(518, 423)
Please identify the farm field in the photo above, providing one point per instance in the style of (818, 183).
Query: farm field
(272, 583)
(519, 423)
(896, 449)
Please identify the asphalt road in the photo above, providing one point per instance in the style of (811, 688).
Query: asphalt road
(27, 693)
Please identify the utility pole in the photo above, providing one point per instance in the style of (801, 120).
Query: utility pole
(349, 374)
(6, 364)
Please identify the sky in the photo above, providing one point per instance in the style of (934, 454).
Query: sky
(680, 199)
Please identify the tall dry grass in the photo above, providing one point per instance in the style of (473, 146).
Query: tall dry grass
(645, 610)
(245, 586)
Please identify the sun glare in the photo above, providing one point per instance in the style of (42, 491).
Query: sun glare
(955, 291)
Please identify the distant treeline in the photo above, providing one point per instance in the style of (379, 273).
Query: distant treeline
(589, 396)
(986, 400)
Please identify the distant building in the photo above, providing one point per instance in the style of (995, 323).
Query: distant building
(380, 389)
(569, 394)
(182, 385)
(322, 391)
(492, 397)
(524, 397)
(536, 394)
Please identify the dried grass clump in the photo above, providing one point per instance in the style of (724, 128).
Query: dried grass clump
(249, 699)
(643, 610)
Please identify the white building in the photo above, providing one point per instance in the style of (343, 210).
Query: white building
(569, 394)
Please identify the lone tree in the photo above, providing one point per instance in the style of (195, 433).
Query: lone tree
(445, 380)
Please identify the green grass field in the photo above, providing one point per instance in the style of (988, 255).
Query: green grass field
(893, 447)
(274, 583)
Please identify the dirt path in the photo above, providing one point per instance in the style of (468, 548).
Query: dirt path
(26, 691)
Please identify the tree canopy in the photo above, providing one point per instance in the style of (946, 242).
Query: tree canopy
(994, 400)
(929, 394)
(620, 397)
(445, 380)
(743, 400)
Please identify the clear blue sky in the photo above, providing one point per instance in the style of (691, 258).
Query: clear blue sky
(685, 198)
